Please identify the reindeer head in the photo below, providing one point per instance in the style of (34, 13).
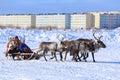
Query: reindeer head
(63, 43)
(61, 40)
(99, 42)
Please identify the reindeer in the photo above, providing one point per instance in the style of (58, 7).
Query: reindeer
(96, 45)
(92, 45)
(67, 47)
(72, 47)
(53, 47)
(64, 45)
(48, 46)
(76, 46)
(83, 47)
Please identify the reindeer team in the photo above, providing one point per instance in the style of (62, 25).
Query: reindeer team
(78, 48)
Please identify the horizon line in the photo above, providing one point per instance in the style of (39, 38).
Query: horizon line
(26, 13)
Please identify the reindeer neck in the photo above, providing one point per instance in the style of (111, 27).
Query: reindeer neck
(59, 44)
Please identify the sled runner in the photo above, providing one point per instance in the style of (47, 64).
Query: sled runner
(24, 56)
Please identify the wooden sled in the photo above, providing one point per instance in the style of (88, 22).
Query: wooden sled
(26, 56)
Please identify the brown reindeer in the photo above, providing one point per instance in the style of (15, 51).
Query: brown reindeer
(48, 46)
(96, 45)
(67, 47)
(92, 46)
(53, 47)
(75, 47)
(83, 47)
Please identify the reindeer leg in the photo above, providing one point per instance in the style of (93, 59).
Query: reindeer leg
(87, 55)
(84, 57)
(55, 55)
(76, 57)
(77, 52)
(93, 57)
(81, 56)
(44, 55)
(66, 55)
(52, 55)
(61, 57)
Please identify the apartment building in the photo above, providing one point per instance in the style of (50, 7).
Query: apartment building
(82, 21)
(96, 16)
(89, 20)
(59, 21)
(107, 20)
(22, 21)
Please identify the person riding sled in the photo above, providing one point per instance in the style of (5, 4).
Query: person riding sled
(24, 48)
(15, 45)
(11, 48)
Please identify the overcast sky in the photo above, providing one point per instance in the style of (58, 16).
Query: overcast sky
(57, 6)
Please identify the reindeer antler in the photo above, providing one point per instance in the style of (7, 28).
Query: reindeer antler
(62, 38)
(100, 37)
(58, 37)
(94, 36)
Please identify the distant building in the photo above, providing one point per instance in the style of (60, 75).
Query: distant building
(108, 20)
(59, 21)
(82, 21)
(96, 19)
(88, 20)
(22, 21)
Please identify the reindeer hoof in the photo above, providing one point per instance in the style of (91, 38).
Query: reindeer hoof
(61, 60)
(85, 60)
(52, 58)
(94, 61)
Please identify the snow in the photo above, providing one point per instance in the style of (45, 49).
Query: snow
(106, 67)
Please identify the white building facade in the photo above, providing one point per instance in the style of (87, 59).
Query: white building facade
(22, 21)
(60, 21)
(82, 21)
(89, 20)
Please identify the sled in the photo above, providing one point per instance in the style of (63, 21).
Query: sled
(26, 56)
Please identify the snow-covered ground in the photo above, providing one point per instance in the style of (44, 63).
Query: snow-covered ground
(106, 67)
